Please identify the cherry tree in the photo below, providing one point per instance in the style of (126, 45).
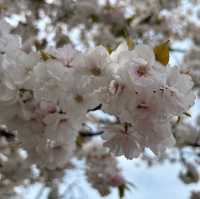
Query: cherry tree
(89, 81)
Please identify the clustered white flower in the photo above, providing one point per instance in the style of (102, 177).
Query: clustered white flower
(187, 134)
(144, 95)
(45, 96)
(101, 169)
(191, 60)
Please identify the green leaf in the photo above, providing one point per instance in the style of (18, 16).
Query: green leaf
(125, 187)
(45, 56)
(63, 40)
(161, 52)
(121, 190)
(94, 18)
(79, 141)
(109, 49)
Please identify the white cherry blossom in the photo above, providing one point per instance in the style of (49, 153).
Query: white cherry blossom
(49, 93)
(122, 139)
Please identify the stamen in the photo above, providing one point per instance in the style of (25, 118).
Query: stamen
(78, 98)
(142, 70)
(95, 71)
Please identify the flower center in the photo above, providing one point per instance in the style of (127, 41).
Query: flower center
(78, 98)
(95, 71)
(142, 70)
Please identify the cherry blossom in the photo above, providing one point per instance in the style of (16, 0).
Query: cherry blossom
(51, 92)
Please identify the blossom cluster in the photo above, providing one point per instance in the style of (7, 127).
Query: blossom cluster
(46, 95)
(102, 170)
(191, 60)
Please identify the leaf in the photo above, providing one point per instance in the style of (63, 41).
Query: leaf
(109, 49)
(45, 56)
(94, 18)
(121, 190)
(124, 187)
(63, 40)
(130, 43)
(39, 45)
(79, 141)
(161, 52)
